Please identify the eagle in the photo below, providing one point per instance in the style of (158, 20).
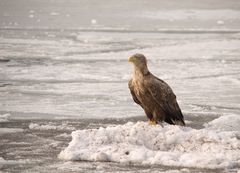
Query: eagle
(153, 94)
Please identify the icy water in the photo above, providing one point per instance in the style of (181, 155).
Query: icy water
(63, 67)
(33, 146)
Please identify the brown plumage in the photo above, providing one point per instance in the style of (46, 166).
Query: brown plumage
(153, 94)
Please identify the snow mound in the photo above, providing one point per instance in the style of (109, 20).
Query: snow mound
(142, 143)
(35, 126)
(227, 123)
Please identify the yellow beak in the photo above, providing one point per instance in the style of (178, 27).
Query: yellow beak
(131, 59)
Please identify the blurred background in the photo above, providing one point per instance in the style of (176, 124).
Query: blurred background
(63, 58)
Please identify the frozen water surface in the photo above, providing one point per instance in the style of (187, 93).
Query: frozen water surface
(64, 69)
(69, 76)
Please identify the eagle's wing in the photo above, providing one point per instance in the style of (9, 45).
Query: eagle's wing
(166, 99)
(130, 86)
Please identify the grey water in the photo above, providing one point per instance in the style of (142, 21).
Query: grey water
(63, 66)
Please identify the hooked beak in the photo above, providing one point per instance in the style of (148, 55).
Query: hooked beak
(131, 59)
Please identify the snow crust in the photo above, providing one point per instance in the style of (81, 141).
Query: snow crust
(142, 143)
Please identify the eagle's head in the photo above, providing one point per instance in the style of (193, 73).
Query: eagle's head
(138, 60)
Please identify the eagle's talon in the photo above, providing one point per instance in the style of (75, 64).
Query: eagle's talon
(152, 122)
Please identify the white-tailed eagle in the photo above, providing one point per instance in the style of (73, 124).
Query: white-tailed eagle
(153, 94)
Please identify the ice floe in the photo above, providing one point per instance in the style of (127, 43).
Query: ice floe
(10, 130)
(141, 143)
(35, 126)
(12, 162)
(4, 117)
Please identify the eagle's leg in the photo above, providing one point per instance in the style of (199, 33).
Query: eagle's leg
(152, 122)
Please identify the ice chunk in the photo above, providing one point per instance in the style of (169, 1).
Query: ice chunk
(10, 130)
(220, 22)
(146, 144)
(31, 16)
(4, 117)
(12, 162)
(94, 21)
(54, 13)
(50, 126)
